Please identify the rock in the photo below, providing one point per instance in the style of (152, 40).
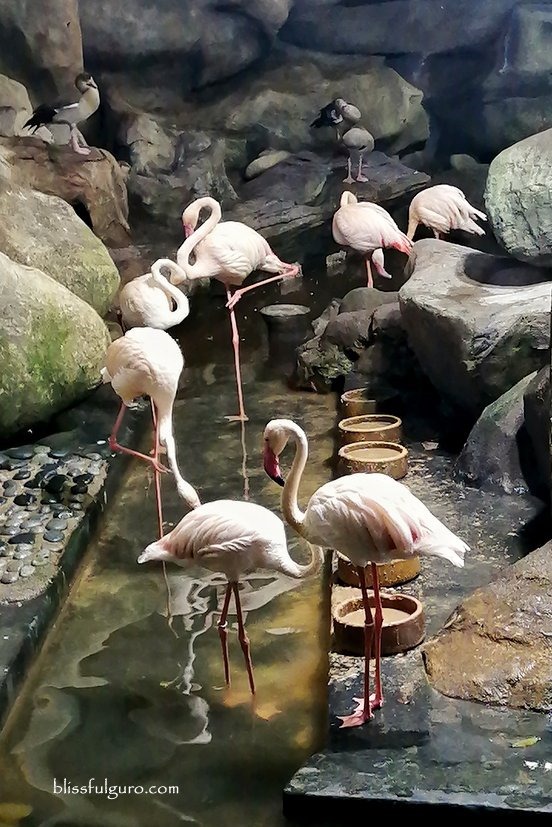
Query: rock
(395, 26)
(497, 646)
(388, 362)
(330, 313)
(15, 106)
(367, 299)
(497, 451)
(42, 50)
(51, 349)
(518, 198)
(536, 407)
(466, 313)
(197, 169)
(319, 364)
(61, 245)
(266, 160)
(151, 148)
(190, 40)
(350, 332)
(94, 186)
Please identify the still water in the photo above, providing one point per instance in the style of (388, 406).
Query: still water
(121, 696)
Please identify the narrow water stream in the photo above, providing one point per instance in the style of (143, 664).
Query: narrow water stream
(118, 697)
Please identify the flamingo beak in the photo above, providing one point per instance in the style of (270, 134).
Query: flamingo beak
(188, 230)
(272, 465)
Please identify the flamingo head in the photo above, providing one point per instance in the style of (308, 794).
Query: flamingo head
(190, 217)
(275, 440)
(157, 551)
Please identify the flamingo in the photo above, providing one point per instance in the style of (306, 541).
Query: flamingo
(443, 208)
(344, 117)
(369, 518)
(234, 538)
(228, 251)
(367, 228)
(147, 301)
(148, 361)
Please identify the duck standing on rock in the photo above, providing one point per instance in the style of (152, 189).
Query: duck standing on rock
(344, 117)
(70, 114)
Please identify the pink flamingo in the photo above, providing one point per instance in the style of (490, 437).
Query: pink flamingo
(148, 301)
(369, 518)
(367, 228)
(228, 251)
(234, 538)
(148, 362)
(443, 208)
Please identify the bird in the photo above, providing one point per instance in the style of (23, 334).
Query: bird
(149, 362)
(228, 251)
(443, 208)
(344, 117)
(235, 538)
(370, 519)
(70, 114)
(152, 301)
(368, 228)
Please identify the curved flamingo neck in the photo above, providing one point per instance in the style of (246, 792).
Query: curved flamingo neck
(197, 269)
(181, 301)
(290, 505)
(347, 199)
(164, 408)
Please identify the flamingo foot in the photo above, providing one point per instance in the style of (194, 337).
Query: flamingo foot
(361, 179)
(358, 717)
(376, 701)
(349, 180)
(230, 305)
(237, 418)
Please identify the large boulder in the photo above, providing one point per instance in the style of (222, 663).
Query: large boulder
(478, 323)
(93, 184)
(518, 198)
(498, 454)
(200, 41)
(60, 244)
(497, 646)
(395, 27)
(537, 411)
(52, 345)
(15, 106)
(41, 46)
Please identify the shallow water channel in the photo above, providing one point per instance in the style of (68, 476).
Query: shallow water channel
(121, 697)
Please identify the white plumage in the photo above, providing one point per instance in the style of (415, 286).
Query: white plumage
(148, 362)
(443, 208)
(367, 228)
(147, 301)
(234, 538)
(369, 518)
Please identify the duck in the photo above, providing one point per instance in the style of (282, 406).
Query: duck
(70, 114)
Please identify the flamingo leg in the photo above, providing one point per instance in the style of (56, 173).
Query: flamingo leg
(80, 150)
(159, 504)
(349, 179)
(241, 417)
(115, 446)
(376, 702)
(243, 639)
(360, 177)
(437, 234)
(223, 633)
(369, 271)
(291, 270)
(363, 712)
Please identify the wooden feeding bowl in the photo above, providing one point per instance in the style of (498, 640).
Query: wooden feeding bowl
(403, 624)
(370, 428)
(374, 457)
(390, 574)
(358, 402)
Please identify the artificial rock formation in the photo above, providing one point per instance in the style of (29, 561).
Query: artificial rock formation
(15, 106)
(497, 646)
(60, 244)
(94, 184)
(52, 345)
(498, 453)
(518, 198)
(537, 410)
(477, 323)
(42, 49)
